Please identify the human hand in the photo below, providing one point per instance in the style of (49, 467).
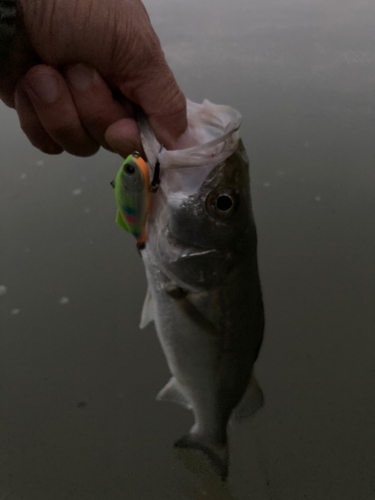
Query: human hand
(68, 58)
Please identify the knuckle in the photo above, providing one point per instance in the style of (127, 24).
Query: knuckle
(26, 128)
(60, 130)
(74, 140)
(177, 102)
(7, 98)
(45, 145)
(37, 71)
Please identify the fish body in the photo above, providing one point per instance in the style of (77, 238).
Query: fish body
(205, 299)
(132, 186)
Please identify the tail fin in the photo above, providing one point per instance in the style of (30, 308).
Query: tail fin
(217, 455)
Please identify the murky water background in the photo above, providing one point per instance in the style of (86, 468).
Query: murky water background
(78, 417)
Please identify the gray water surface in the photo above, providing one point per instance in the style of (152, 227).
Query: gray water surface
(78, 416)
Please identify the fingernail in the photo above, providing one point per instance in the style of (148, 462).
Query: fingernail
(45, 86)
(80, 77)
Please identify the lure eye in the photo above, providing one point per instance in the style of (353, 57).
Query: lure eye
(129, 169)
(222, 202)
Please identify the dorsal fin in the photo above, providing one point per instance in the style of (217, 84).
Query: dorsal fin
(251, 401)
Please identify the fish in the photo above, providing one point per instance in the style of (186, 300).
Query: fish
(204, 296)
(132, 186)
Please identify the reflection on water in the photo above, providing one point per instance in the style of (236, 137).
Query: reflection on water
(301, 73)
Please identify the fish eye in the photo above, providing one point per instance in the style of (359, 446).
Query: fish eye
(222, 202)
(129, 169)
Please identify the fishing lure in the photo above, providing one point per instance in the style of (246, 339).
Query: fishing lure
(132, 188)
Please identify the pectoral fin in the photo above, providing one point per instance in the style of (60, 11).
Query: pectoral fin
(174, 291)
(189, 308)
(172, 392)
(251, 401)
(121, 222)
(148, 310)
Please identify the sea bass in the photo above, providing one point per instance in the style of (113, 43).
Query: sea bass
(204, 292)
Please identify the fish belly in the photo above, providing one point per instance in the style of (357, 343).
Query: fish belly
(211, 365)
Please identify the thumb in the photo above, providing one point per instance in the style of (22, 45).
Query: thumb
(160, 97)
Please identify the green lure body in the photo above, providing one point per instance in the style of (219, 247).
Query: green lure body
(132, 187)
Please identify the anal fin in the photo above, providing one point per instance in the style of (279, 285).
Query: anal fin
(172, 392)
(148, 310)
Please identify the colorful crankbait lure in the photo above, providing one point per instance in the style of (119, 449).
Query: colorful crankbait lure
(132, 188)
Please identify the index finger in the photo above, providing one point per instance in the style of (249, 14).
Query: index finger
(158, 94)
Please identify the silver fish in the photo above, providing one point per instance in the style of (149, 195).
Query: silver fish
(205, 299)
